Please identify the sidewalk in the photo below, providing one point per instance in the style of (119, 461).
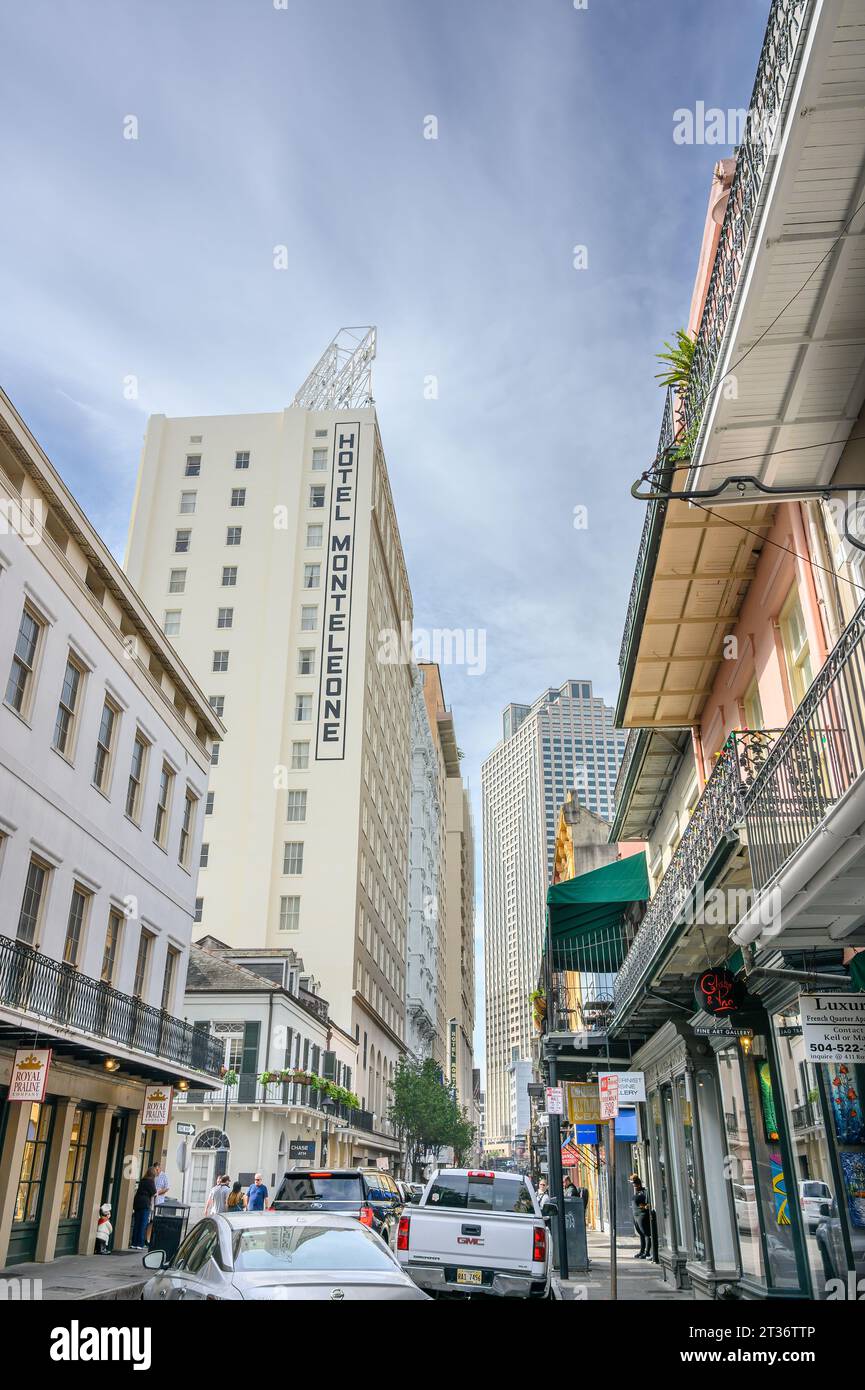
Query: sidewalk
(77, 1278)
(638, 1280)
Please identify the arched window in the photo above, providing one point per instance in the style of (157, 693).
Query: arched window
(210, 1153)
(212, 1139)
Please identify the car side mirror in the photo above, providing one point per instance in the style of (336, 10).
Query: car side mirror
(414, 1198)
(550, 1210)
(825, 1208)
(155, 1259)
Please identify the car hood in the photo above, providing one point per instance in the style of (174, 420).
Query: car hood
(354, 1285)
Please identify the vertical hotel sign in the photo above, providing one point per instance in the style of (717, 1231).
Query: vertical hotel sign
(336, 627)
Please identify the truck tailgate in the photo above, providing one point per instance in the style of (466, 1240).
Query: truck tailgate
(472, 1238)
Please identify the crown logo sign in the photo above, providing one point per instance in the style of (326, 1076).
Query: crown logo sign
(157, 1096)
(30, 1063)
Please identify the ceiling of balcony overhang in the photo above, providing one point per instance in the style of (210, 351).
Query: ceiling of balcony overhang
(702, 572)
(648, 781)
(804, 383)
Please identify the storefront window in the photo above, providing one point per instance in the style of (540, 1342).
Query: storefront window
(76, 1165)
(714, 1147)
(694, 1197)
(771, 1181)
(675, 1168)
(33, 1161)
(741, 1168)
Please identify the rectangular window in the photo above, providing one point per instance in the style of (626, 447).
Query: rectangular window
(217, 704)
(19, 688)
(296, 807)
(214, 754)
(168, 979)
(171, 622)
(311, 576)
(75, 925)
(303, 708)
(199, 909)
(289, 914)
(232, 535)
(182, 542)
(220, 660)
(31, 904)
(319, 460)
(187, 827)
(177, 582)
(797, 651)
(109, 952)
(163, 805)
(238, 497)
(241, 458)
(209, 803)
(193, 465)
(225, 617)
(187, 503)
(314, 535)
(299, 755)
(229, 576)
(316, 496)
(306, 661)
(136, 778)
(204, 856)
(145, 941)
(292, 857)
(64, 724)
(105, 747)
(309, 617)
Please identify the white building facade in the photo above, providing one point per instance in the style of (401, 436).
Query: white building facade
(423, 1006)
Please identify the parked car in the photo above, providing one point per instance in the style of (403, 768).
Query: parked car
(477, 1232)
(812, 1195)
(283, 1256)
(369, 1195)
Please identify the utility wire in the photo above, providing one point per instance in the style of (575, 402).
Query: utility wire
(766, 541)
(764, 454)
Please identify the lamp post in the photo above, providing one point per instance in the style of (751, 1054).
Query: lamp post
(329, 1108)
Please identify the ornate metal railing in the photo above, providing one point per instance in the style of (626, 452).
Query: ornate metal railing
(720, 809)
(248, 1090)
(817, 758)
(41, 988)
(654, 511)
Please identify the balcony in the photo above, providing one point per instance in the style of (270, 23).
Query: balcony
(40, 988)
(248, 1090)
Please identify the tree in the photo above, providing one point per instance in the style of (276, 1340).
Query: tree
(425, 1114)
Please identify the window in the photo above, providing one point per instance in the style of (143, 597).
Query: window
(187, 826)
(309, 617)
(75, 925)
(209, 802)
(316, 495)
(217, 704)
(163, 804)
(321, 434)
(306, 661)
(311, 576)
(232, 535)
(168, 979)
(31, 903)
(241, 458)
(229, 576)
(193, 465)
(319, 460)
(303, 708)
(204, 856)
(289, 913)
(214, 754)
(136, 778)
(220, 660)
(19, 688)
(187, 502)
(292, 857)
(753, 707)
(199, 909)
(225, 617)
(314, 535)
(296, 808)
(182, 541)
(177, 582)
(109, 951)
(64, 724)
(794, 636)
(142, 960)
(299, 755)
(171, 622)
(238, 497)
(105, 747)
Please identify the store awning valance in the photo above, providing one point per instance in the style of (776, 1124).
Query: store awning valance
(587, 915)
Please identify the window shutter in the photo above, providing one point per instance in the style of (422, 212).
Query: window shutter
(249, 1063)
(328, 1065)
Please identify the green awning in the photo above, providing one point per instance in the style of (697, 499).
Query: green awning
(587, 914)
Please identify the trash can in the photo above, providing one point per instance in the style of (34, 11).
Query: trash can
(170, 1220)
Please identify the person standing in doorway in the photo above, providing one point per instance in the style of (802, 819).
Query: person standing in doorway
(256, 1194)
(642, 1217)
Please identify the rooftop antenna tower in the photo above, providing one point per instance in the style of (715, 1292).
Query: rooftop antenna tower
(342, 377)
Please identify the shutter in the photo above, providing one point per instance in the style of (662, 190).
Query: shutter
(316, 1060)
(328, 1063)
(249, 1062)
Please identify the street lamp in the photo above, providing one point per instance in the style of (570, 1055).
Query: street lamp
(329, 1107)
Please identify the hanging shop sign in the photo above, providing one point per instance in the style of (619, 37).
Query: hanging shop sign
(584, 1103)
(555, 1100)
(339, 572)
(721, 1030)
(30, 1074)
(833, 1026)
(608, 1086)
(718, 991)
(302, 1148)
(632, 1085)
(157, 1106)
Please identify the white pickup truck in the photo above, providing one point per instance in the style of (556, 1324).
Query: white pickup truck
(476, 1232)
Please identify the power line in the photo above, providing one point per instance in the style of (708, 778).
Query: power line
(806, 560)
(765, 454)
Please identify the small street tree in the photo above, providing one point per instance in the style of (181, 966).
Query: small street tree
(425, 1114)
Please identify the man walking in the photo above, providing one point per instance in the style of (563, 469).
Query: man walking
(256, 1194)
(218, 1197)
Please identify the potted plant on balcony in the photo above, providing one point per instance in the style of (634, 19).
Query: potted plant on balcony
(539, 1008)
(229, 1076)
(676, 362)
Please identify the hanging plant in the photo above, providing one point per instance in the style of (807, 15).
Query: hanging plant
(229, 1076)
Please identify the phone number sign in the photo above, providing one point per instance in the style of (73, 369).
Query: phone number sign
(833, 1026)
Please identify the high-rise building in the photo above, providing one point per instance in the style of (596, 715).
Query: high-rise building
(565, 739)
(268, 546)
(425, 1003)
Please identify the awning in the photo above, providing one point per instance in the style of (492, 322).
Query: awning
(587, 915)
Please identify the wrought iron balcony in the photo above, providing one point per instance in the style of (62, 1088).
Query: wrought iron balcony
(248, 1090)
(41, 988)
(720, 809)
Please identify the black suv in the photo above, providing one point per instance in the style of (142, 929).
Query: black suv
(366, 1193)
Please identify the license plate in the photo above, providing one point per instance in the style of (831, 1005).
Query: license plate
(470, 1276)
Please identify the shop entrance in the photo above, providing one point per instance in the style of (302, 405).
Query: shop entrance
(112, 1176)
(31, 1184)
(77, 1163)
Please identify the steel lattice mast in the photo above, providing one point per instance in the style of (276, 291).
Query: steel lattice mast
(342, 377)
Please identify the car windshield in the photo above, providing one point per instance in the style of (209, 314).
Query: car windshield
(480, 1192)
(815, 1189)
(328, 1187)
(309, 1247)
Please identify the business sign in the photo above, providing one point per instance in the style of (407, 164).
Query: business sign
(157, 1106)
(185, 1128)
(555, 1100)
(452, 1026)
(722, 1030)
(30, 1074)
(632, 1085)
(584, 1106)
(339, 571)
(608, 1087)
(833, 1026)
(302, 1149)
(718, 991)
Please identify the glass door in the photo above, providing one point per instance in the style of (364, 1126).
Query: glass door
(695, 1196)
(31, 1180)
(77, 1160)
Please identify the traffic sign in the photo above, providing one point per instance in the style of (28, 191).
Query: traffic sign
(609, 1090)
(555, 1100)
(184, 1127)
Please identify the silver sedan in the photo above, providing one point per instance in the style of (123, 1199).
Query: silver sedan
(279, 1255)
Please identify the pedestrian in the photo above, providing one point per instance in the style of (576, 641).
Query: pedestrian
(217, 1198)
(568, 1189)
(142, 1206)
(543, 1193)
(256, 1194)
(236, 1201)
(162, 1185)
(103, 1229)
(642, 1218)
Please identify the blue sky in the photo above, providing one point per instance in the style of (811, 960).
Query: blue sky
(304, 127)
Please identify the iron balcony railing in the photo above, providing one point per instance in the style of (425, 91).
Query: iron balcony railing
(817, 758)
(41, 988)
(654, 514)
(248, 1090)
(719, 811)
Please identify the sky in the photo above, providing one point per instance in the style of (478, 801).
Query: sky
(512, 385)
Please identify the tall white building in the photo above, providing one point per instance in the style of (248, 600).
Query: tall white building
(565, 739)
(424, 1002)
(268, 546)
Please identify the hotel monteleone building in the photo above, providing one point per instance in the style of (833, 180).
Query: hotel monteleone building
(268, 546)
(105, 750)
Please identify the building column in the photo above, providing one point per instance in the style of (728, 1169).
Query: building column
(92, 1198)
(122, 1218)
(55, 1176)
(10, 1169)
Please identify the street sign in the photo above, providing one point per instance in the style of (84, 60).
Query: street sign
(184, 1127)
(555, 1100)
(608, 1086)
(833, 1026)
(583, 1104)
(632, 1085)
(182, 1156)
